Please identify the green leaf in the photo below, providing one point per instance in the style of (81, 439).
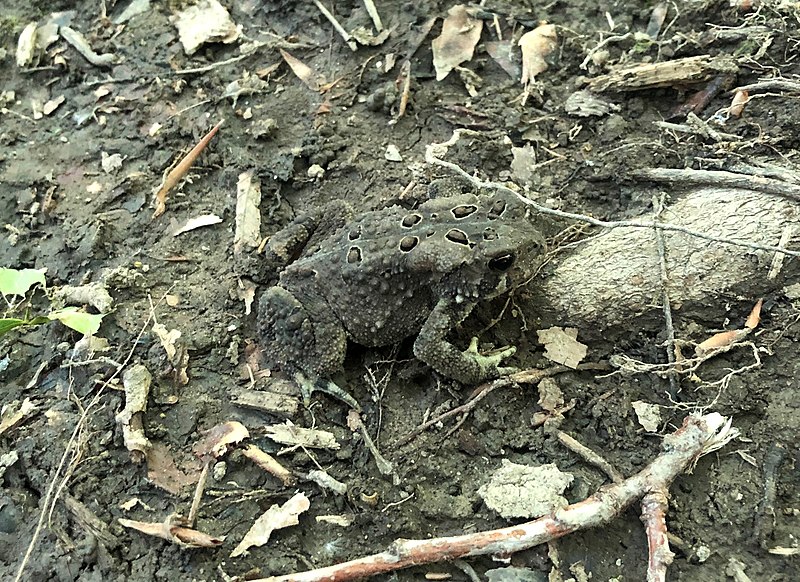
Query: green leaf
(19, 281)
(6, 325)
(80, 321)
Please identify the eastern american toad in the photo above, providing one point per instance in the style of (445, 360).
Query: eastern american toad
(381, 276)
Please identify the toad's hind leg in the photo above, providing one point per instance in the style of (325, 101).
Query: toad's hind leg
(309, 341)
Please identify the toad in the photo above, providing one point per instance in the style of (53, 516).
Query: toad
(384, 275)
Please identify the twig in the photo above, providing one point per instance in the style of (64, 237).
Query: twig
(198, 495)
(590, 456)
(720, 178)
(698, 435)
(777, 260)
(434, 153)
(770, 85)
(180, 170)
(339, 28)
(658, 206)
(481, 392)
(373, 13)
(654, 517)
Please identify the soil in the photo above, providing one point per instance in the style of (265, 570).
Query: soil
(61, 210)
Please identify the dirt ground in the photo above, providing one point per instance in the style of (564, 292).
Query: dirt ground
(63, 209)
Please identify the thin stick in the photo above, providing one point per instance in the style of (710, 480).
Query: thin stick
(373, 13)
(180, 170)
(590, 456)
(339, 28)
(658, 206)
(698, 436)
(720, 178)
(198, 495)
(481, 392)
(434, 152)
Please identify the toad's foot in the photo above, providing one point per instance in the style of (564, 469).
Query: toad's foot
(490, 363)
(307, 387)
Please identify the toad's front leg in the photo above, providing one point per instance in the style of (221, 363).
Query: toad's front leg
(468, 366)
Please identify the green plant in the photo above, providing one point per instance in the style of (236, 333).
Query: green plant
(16, 283)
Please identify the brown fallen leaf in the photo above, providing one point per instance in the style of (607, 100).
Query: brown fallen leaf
(302, 71)
(177, 534)
(536, 46)
(179, 171)
(456, 44)
(163, 472)
(247, 232)
(216, 441)
(14, 413)
(276, 517)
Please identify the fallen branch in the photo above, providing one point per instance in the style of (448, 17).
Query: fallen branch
(698, 435)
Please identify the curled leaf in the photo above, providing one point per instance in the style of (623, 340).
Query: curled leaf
(80, 321)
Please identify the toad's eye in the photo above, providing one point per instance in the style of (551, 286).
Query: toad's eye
(501, 263)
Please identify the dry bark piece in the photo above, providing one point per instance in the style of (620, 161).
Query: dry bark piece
(276, 517)
(684, 71)
(136, 381)
(14, 413)
(284, 405)
(648, 415)
(247, 233)
(289, 434)
(456, 44)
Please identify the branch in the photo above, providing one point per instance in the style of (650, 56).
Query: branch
(698, 436)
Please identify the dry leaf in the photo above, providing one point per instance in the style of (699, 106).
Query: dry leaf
(456, 44)
(167, 339)
(206, 21)
(11, 415)
(198, 222)
(648, 415)
(248, 215)
(276, 517)
(306, 74)
(163, 472)
(216, 441)
(561, 346)
(536, 46)
(504, 54)
(182, 536)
